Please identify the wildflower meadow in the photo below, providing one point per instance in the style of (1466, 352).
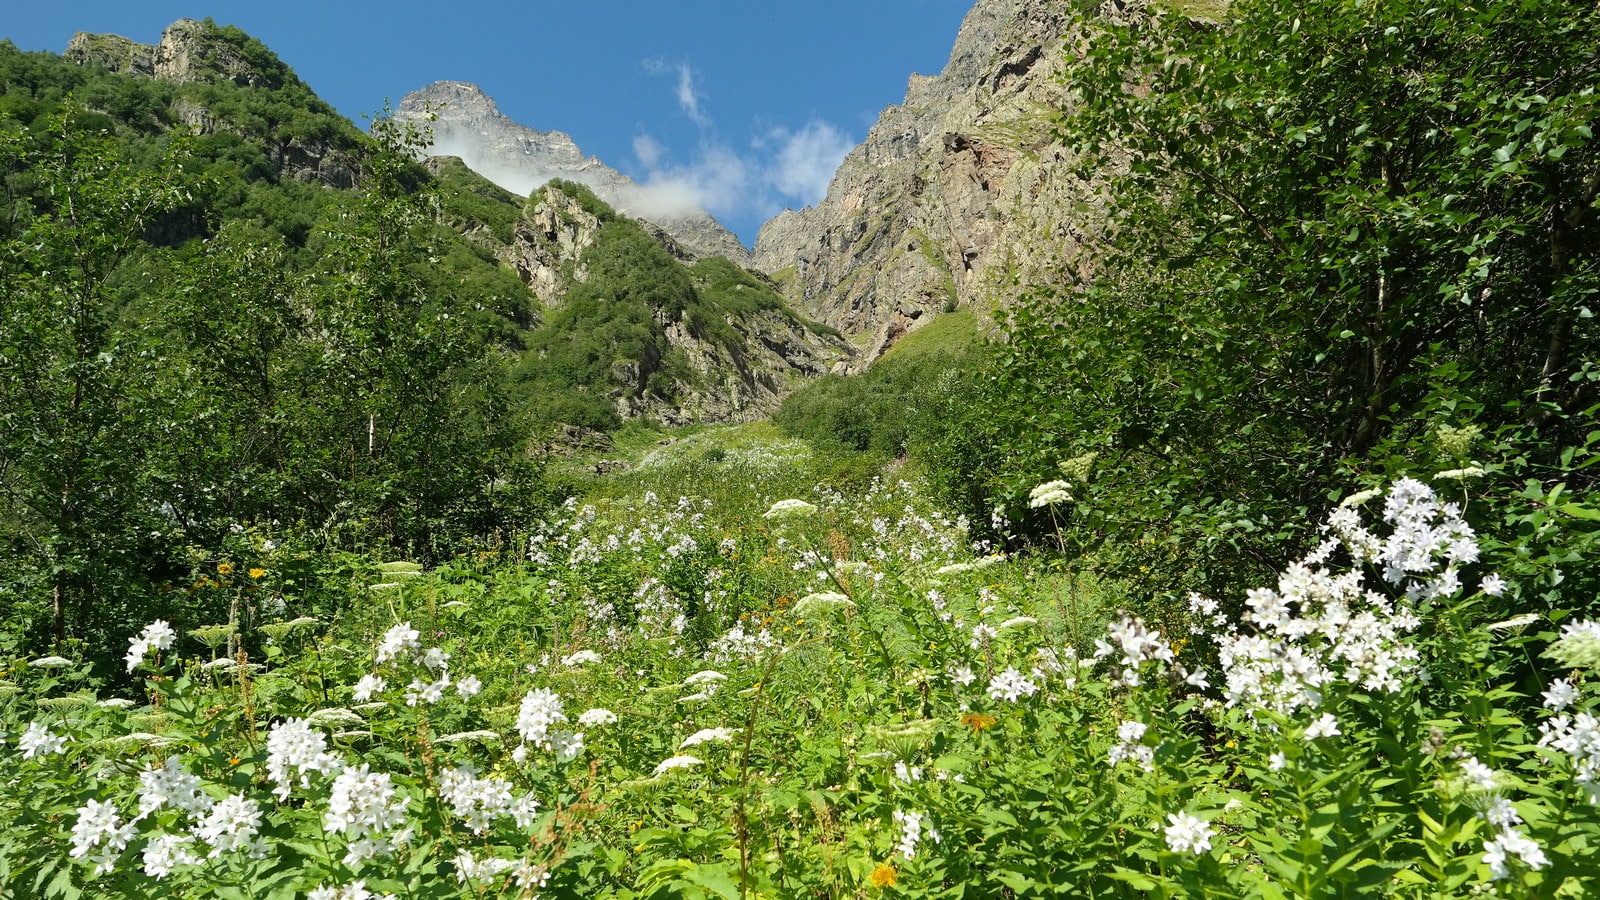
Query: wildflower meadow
(837, 694)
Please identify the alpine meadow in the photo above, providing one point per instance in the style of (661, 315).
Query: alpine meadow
(1164, 464)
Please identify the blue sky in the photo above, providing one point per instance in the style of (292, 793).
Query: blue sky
(746, 104)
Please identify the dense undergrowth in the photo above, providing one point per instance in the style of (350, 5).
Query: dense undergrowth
(775, 687)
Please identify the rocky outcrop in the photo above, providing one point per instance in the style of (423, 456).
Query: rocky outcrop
(192, 51)
(195, 52)
(112, 52)
(466, 123)
(736, 380)
(956, 193)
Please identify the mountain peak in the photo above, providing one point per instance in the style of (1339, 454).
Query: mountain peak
(466, 123)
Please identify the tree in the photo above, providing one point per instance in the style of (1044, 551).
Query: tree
(71, 388)
(1323, 216)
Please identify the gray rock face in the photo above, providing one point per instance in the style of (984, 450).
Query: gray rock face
(956, 193)
(114, 52)
(521, 159)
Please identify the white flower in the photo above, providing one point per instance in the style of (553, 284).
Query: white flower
(436, 659)
(100, 835)
(962, 675)
(704, 677)
(708, 736)
(1512, 843)
(116, 703)
(426, 692)
(172, 785)
(294, 748)
(1514, 623)
(38, 740)
(1049, 493)
(1011, 685)
(231, 824)
(51, 662)
(1188, 834)
(1480, 775)
(1130, 746)
(911, 831)
(1327, 726)
(580, 658)
(364, 807)
(1492, 584)
(677, 762)
(469, 868)
(469, 686)
(136, 651)
(164, 852)
(1277, 761)
(822, 603)
(368, 686)
(1560, 695)
(594, 717)
(398, 639)
(790, 509)
(158, 635)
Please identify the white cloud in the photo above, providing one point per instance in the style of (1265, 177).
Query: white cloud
(806, 160)
(781, 168)
(688, 97)
(648, 150)
(718, 181)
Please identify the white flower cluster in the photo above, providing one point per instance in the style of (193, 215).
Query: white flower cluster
(1579, 738)
(365, 808)
(1130, 746)
(158, 635)
(232, 825)
(294, 748)
(1188, 833)
(912, 831)
(1319, 626)
(681, 761)
(100, 835)
(355, 890)
(1512, 844)
(537, 722)
(1137, 644)
(1048, 494)
(172, 785)
(739, 645)
(1011, 686)
(709, 736)
(400, 639)
(480, 801)
(39, 740)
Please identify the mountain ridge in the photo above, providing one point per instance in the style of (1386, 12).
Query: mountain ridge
(466, 123)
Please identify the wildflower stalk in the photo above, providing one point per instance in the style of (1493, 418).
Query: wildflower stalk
(741, 819)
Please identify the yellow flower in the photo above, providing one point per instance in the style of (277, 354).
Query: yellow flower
(978, 721)
(883, 876)
(224, 568)
(257, 573)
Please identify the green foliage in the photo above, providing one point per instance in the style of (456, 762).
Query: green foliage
(829, 699)
(192, 350)
(1321, 215)
(885, 410)
(467, 199)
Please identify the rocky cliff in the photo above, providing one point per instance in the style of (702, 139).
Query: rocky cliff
(466, 123)
(192, 52)
(956, 192)
(732, 356)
